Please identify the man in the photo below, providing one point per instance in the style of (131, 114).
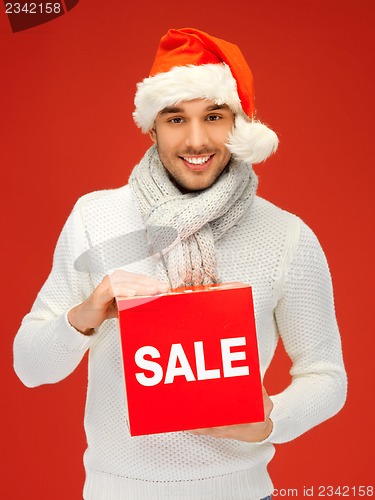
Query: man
(189, 216)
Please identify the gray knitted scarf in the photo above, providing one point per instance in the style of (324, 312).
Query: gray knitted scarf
(182, 228)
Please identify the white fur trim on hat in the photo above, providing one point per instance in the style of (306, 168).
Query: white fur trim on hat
(184, 83)
(251, 141)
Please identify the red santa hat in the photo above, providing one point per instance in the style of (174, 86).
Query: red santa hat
(191, 64)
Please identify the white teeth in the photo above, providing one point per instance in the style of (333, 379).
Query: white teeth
(197, 161)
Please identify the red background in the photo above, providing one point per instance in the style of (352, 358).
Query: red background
(66, 103)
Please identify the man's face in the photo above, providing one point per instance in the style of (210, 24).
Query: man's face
(190, 138)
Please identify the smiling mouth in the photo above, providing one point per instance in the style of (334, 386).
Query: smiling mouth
(197, 162)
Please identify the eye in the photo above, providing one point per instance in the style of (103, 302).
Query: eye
(213, 118)
(176, 119)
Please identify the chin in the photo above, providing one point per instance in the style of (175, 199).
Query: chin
(194, 187)
(190, 187)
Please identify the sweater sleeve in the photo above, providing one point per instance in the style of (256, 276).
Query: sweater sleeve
(306, 321)
(47, 348)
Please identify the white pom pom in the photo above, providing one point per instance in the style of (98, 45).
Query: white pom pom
(251, 141)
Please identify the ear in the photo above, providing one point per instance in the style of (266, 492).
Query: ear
(152, 134)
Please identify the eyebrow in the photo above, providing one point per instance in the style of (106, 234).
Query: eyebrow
(170, 109)
(216, 107)
(177, 109)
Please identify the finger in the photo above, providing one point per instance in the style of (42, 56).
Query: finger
(132, 289)
(112, 310)
(107, 291)
(141, 286)
(198, 432)
(121, 276)
(267, 403)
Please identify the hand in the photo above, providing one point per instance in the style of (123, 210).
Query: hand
(101, 304)
(250, 433)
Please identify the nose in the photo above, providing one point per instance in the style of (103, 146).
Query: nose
(196, 137)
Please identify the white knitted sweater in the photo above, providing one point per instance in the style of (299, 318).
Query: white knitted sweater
(273, 251)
